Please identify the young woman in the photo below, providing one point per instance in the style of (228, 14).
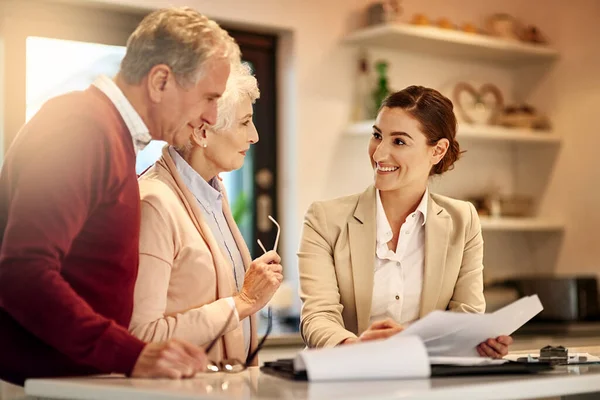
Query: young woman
(375, 261)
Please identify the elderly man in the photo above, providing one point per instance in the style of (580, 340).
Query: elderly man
(70, 213)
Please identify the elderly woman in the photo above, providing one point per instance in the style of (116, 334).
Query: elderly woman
(195, 269)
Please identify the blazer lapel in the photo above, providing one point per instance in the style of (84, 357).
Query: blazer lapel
(437, 236)
(225, 280)
(243, 248)
(362, 242)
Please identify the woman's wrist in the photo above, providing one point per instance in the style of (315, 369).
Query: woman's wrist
(244, 306)
(349, 340)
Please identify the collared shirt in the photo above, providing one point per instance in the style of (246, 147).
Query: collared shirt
(210, 199)
(398, 278)
(138, 129)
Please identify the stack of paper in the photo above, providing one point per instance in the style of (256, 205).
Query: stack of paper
(448, 333)
(407, 358)
(442, 337)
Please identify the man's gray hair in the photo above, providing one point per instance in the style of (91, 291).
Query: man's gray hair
(241, 83)
(180, 38)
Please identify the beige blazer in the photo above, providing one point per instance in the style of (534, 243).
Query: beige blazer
(337, 258)
(183, 276)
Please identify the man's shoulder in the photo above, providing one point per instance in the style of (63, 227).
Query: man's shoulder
(86, 106)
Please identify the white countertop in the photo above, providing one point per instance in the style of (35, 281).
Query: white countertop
(253, 384)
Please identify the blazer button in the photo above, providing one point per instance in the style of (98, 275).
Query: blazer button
(397, 297)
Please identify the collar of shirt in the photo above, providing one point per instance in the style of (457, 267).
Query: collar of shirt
(138, 129)
(208, 194)
(384, 230)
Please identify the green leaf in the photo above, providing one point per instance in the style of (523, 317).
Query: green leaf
(240, 208)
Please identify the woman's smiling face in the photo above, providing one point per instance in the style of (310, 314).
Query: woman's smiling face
(400, 155)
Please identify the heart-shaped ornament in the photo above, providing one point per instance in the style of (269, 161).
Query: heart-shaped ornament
(478, 106)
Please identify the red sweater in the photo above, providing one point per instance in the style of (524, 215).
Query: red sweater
(69, 231)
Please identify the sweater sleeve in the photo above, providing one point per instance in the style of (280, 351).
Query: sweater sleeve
(58, 176)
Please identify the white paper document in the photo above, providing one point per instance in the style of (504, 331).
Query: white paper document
(465, 361)
(441, 338)
(447, 333)
(406, 358)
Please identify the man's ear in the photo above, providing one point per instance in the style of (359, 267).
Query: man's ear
(159, 78)
(198, 136)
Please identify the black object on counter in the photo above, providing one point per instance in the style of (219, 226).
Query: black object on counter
(565, 299)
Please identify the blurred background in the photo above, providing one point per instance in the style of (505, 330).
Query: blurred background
(523, 76)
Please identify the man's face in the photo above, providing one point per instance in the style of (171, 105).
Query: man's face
(179, 105)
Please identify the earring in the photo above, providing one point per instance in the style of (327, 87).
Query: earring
(204, 145)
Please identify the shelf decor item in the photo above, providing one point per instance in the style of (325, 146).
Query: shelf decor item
(383, 12)
(506, 27)
(420, 19)
(469, 28)
(498, 206)
(503, 26)
(363, 84)
(382, 89)
(523, 116)
(532, 34)
(445, 23)
(481, 106)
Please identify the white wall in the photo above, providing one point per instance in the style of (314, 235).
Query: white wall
(574, 189)
(317, 162)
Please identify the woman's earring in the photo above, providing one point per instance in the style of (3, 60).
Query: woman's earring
(204, 145)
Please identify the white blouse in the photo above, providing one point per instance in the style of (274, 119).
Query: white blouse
(398, 280)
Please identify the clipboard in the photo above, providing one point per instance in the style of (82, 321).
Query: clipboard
(284, 368)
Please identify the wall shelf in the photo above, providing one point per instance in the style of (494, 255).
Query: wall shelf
(444, 42)
(520, 224)
(476, 132)
(500, 133)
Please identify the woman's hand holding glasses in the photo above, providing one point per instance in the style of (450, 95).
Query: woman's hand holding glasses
(262, 279)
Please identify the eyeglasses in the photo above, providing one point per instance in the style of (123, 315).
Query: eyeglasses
(276, 237)
(235, 365)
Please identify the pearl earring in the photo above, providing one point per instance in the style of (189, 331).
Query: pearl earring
(204, 145)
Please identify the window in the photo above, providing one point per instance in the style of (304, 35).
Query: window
(57, 66)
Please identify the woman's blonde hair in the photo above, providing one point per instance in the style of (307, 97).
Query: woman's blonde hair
(180, 38)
